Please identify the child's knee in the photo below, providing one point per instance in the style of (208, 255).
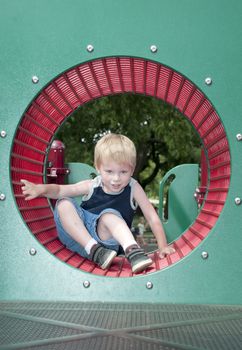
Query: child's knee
(63, 206)
(110, 219)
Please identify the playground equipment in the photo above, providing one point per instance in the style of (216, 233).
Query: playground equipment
(180, 207)
(50, 70)
(55, 57)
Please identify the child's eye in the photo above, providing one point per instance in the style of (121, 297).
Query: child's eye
(124, 171)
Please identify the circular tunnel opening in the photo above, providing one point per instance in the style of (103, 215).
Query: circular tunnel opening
(99, 78)
(164, 140)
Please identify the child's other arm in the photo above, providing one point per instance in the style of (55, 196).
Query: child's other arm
(31, 190)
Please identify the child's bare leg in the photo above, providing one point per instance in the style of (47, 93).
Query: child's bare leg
(112, 226)
(72, 223)
(75, 227)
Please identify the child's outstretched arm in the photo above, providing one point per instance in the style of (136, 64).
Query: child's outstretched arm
(153, 220)
(54, 191)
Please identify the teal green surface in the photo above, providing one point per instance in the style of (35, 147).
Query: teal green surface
(79, 172)
(196, 38)
(182, 208)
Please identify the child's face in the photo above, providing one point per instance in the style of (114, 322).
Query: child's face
(115, 176)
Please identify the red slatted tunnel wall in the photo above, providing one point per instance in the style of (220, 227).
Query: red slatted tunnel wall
(93, 80)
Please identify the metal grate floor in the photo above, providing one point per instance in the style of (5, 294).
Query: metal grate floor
(104, 326)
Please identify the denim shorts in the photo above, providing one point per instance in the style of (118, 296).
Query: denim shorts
(90, 221)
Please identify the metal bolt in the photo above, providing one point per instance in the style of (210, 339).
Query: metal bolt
(204, 255)
(153, 48)
(3, 133)
(86, 284)
(32, 251)
(90, 48)
(237, 201)
(208, 81)
(149, 285)
(35, 79)
(239, 137)
(2, 196)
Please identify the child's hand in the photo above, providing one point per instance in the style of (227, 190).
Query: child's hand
(29, 189)
(166, 251)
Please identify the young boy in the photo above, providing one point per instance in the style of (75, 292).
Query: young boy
(102, 223)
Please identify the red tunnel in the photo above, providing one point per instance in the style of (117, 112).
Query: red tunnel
(93, 80)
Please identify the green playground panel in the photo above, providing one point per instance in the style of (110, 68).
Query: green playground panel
(201, 41)
(78, 172)
(178, 208)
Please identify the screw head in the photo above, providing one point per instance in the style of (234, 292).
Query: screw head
(237, 201)
(239, 137)
(3, 133)
(204, 255)
(2, 196)
(208, 81)
(32, 251)
(153, 48)
(149, 285)
(35, 79)
(90, 48)
(86, 284)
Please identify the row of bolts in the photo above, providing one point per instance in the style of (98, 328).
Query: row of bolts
(153, 49)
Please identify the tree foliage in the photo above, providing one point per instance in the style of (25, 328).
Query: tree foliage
(163, 137)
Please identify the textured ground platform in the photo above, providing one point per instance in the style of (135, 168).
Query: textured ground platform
(104, 326)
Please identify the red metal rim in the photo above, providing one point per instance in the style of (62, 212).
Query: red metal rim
(95, 79)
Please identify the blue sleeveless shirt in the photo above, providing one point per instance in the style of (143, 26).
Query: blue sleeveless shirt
(98, 200)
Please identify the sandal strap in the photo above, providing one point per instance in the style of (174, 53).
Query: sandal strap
(134, 252)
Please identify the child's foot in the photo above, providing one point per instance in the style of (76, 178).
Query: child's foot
(138, 259)
(102, 256)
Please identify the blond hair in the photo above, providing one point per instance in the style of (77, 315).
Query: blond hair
(115, 147)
